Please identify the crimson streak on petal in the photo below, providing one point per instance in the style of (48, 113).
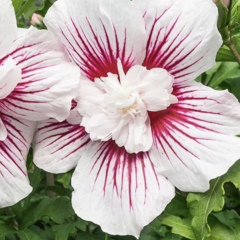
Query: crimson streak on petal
(109, 154)
(14, 184)
(122, 190)
(98, 59)
(98, 34)
(184, 48)
(193, 136)
(45, 68)
(59, 146)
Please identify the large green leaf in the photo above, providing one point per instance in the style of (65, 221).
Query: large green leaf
(225, 55)
(24, 7)
(220, 231)
(202, 204)
(57, 209)
(227, 217)
(17, 4)
(177, 207)
(221, 72)
(179, 226)
(5, 230)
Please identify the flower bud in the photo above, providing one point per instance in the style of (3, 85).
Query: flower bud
(36, 19)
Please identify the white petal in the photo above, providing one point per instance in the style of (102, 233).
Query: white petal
(3, 131)
(154, 87)
(8, 27)
(10, 76)
(58, 146)
(193, 141)
(182, 36)
(139, 137)
(49, 80)
(74, 117)
(14, 184)
(96, 33)
(119, 191)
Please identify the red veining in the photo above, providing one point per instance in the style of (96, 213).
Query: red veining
(117, 162)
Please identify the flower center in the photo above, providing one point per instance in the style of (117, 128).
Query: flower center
(127, 109)
(116, 107)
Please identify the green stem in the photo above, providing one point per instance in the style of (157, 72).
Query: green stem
(50, 182)
(234, 51)
(9, 212)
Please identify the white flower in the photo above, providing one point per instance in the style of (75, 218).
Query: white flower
(152, 127)
(34, 85)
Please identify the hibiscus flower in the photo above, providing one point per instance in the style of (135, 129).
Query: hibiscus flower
(141, 124)
(34, 86)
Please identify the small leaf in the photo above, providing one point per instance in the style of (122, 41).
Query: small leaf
(235, 38)
(202, 204)
(179, 226)
(222, 15)
(235, 13)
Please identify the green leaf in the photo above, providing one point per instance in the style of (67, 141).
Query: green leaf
(28, 235)
(202, 204)
(235, 38)
(43, 232)
(221, 72)
(225, 55)
(153, 231)
(177, 207)
(24, 7)
(34, 178)
(63, 230)
(5, 230)
(222, 15)
(124, 238)
(220, 231)
(17, 4)
(96, 235)
(38, 5)
(179, 226)
(227, 217)
(223, 18)
(171, 236)
(235, 13)
(57, 209)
